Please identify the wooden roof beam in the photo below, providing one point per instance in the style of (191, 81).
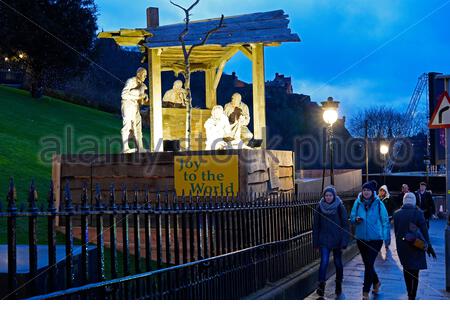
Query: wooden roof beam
(247, 51)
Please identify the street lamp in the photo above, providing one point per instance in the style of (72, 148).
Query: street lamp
(330, 116)
(384, 150)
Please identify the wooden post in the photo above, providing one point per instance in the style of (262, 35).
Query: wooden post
(152, 17)
(156, 134)
(211, 92)
(259, 97)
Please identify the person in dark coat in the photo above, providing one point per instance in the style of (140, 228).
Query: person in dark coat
(399, 199)
(385, 197)
(424, 201)
(412, 259)
(330, 234)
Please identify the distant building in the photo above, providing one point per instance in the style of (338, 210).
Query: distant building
(281, 81)
(238, 83)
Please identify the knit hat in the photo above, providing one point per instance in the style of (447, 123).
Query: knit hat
(330, 189)
(409, 199)
(370, 185)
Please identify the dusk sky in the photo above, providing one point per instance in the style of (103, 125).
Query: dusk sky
(362, 53)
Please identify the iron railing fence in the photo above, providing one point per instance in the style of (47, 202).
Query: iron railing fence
(234, 275)
(50, 250)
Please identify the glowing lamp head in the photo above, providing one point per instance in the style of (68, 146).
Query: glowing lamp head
(21, 56)
(384, 149)
(330, 113)
(330, 116)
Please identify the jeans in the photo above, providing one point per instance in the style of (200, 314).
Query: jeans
(325, 259)
(412, 282)
(369, 251)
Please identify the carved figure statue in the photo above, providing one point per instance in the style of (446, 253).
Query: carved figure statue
(239, 117)
(217, 128)
(133, 96)
(175, 97)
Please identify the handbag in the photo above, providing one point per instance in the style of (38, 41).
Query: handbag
(415, 237)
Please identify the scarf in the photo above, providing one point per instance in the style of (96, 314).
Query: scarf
(329, 208)
(367, 202)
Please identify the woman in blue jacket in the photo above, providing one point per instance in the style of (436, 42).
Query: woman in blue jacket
(330, 234)
(372, 228)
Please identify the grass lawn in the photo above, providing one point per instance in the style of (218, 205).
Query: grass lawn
(25, 123)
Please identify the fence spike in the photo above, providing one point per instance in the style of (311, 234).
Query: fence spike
(175, 201)
(147, 204)
(84, 198)
(124, 198)
(32, 198)
(158, 201)
(135, 198)
(12, 196)
(183, 201)
(191, 201)
(198, 202)
(98, 198)
(51, 199)
(167, 204)
(112, 197)
(68, 206)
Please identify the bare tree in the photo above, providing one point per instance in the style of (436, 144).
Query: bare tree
(187, 54)
(382, 122)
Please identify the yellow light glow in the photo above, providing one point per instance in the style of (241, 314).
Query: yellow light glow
(330, 116)
(384, 149)
(21, 56)
(6, 58)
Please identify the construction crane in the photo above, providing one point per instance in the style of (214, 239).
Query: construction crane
(408, 123)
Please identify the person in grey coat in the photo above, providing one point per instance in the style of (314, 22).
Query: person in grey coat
(412, 259)
(330, 234)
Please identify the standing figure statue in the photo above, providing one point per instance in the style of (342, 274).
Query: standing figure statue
(175, 97)
(239, 116)
(133, 96)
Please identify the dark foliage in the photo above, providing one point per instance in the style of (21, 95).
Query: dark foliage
(55, 35)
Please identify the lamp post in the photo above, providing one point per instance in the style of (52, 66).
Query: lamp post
(330, 116)
(384, 150)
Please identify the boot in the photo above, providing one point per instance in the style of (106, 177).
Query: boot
(365, 296)
(338, 290)
(321, 289)
(376, 287)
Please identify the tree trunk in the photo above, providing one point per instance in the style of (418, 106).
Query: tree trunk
(187, 86)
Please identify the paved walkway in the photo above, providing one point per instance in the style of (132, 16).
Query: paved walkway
(390, 272)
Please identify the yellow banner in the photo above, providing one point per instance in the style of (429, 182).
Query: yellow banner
(206, 175)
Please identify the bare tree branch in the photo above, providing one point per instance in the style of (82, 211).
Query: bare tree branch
(210, 32)
(187, 53)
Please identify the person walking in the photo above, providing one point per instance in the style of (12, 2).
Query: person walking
(410, 220)
(330, 234)
(372, 227)
(399, 199)
(424, 200)
(385, 197)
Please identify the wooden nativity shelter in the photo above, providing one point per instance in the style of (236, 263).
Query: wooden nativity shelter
(249, 34)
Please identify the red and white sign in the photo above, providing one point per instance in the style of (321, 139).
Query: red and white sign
(441, 116)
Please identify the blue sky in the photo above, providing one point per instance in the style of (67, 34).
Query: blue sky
(361, 52)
